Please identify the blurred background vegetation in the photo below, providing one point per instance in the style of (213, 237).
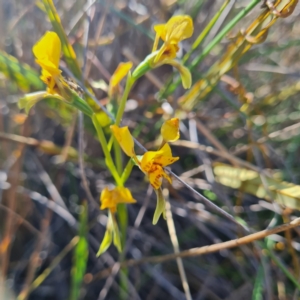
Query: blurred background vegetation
(239, 147)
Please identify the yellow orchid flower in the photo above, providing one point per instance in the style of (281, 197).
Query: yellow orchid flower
(121, 71)
(47, 52)
(170, 130)
(152, 162)
(111, 198)
(178, 28)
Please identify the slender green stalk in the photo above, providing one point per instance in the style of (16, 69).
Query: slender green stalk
(258, 284)
(81, 105)
(200, 39)
(214, 42)
(127, 171)
(122, 209)
(283, 268)
(129, 83)
(118, 158)
(268, 245)
(108, 159)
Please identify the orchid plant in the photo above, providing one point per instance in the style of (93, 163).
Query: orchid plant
(47, 52)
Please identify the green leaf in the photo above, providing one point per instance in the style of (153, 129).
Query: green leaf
(21, 74)
(160, 206)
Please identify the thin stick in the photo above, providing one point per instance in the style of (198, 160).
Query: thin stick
(174, 240)
(211, 150)
(205, 249)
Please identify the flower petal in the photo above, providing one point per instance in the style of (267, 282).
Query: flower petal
(160, 206)
(178, 28)
(124, 138)
(185, 74)
(155, 177)
(124, 195)
(107, 200)
(47, 52)
(165, 52)
(166, 158)
(148, 159)
(170, 130)
(106, 242)
(30, 100)
(160, 30)
(121, 71)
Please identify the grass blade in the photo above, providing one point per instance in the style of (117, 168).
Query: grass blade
(80, 256)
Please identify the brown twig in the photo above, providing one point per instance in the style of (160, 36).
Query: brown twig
(175, 243)
(205, 249)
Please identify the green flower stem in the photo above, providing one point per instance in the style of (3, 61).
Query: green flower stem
(129, 83)
(109, 162)
(283, 268)
(212, 44)
(81, 105)
(127, 171)
(205, 32)
(118, 157)
(123, 220)
(267, 245)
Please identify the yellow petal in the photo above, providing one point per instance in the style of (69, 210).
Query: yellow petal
(107, 200)
(178, 28)
(185, 74)
(160, 30)
(167, 176)
(165, 52)
(166, 150)
(124, 138)
(170, 130)
(148, 159)
(111, 198)
(124, 195)
(49, 80)
(160, 34)
(47, 52)
(166, 158)
(155, 177)
(121, 71)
